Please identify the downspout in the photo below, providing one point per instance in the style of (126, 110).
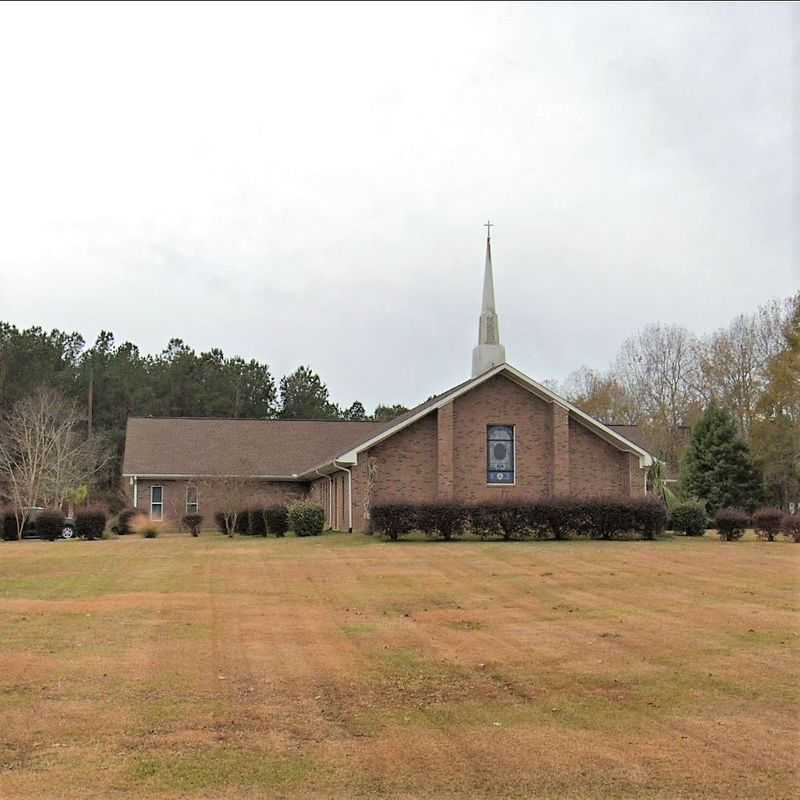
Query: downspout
(349, 495)
(135, 482)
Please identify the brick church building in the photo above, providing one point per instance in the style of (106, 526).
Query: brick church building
(498, 436)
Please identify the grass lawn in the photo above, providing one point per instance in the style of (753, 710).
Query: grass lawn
(348, 667)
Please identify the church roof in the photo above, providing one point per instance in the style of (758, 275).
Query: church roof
(173, 447)
(209, 446)
(604, 431)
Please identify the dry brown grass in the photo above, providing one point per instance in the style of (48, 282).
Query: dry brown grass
(347, 667)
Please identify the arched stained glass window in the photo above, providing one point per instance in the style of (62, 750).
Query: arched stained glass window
(500, 454)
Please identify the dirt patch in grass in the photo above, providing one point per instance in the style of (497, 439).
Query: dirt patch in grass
(349, 667)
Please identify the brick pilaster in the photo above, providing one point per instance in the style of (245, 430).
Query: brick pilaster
(560, 474)
(444, 450)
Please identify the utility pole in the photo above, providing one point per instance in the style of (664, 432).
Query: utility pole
(90, 399)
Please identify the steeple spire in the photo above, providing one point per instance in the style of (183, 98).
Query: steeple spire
(489, 352)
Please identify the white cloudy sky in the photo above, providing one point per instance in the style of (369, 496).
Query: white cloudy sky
(307, 183)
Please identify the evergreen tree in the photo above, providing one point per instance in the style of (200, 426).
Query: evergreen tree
(355, 413)
(717, 467)
(305, 396)
(386, 413)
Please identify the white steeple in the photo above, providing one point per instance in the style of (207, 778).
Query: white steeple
(489, 352)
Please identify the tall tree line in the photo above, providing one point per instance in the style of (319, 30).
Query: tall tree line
(114, 381)
(664, 377)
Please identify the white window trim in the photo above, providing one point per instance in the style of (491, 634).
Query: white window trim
(196, 499)
(513, 448)
(160, 516)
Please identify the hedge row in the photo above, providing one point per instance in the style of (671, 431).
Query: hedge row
(89, 523)
(557, 518)
(768, 523)
(257, 521)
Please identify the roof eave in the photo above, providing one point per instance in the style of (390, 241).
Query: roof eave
(350, 457)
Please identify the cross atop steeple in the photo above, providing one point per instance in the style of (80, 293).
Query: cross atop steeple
(488, 225)
(489, 351)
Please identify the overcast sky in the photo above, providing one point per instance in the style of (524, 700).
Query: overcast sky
(307, 183)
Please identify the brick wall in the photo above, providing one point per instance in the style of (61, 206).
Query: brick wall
(406, 464)
(499, 401)
(595, 467)
(263, 493)
(554, 455)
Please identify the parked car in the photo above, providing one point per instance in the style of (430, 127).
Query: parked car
(30, 530)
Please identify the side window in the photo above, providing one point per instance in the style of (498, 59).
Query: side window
(500, 464)
(192, 504)
(157, 502)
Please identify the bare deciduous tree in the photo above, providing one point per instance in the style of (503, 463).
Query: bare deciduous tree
(230, 494)
(602, 396)
(658, 370)
(45, 453)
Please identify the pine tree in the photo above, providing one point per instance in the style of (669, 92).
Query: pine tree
(717, 467)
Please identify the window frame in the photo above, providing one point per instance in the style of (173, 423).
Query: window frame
(159, 503)
(196, 504)
(513, 481)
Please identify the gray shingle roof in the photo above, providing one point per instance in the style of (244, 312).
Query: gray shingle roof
(212, 446)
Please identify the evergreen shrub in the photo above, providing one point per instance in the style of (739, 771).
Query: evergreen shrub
(791, 526)
(393, 519)
(768, 523)
(306, 518)
(125, 520)
(50, 524)
(443, 520)
(559, 518)
(10, 527)
(731, 523)
(193, 523)
(276, 519)
(689, 517)
(90, 523)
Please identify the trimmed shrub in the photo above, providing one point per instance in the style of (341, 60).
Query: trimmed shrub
(506, 520)
(445, 520)
(689, 517)
(768, 523)
(731, 523)
(50, 524)
(242, 523)
(219, 521)
(393, 519)
(276, 520)
(306, 519)
(791, 526)
(125, 520)
(649, 516)
(561, 516)
(193, 523)
(90, 523)
(256, 525)
(10, 527)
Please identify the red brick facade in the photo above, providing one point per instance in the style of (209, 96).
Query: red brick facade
(258, 495)
(443, 456)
